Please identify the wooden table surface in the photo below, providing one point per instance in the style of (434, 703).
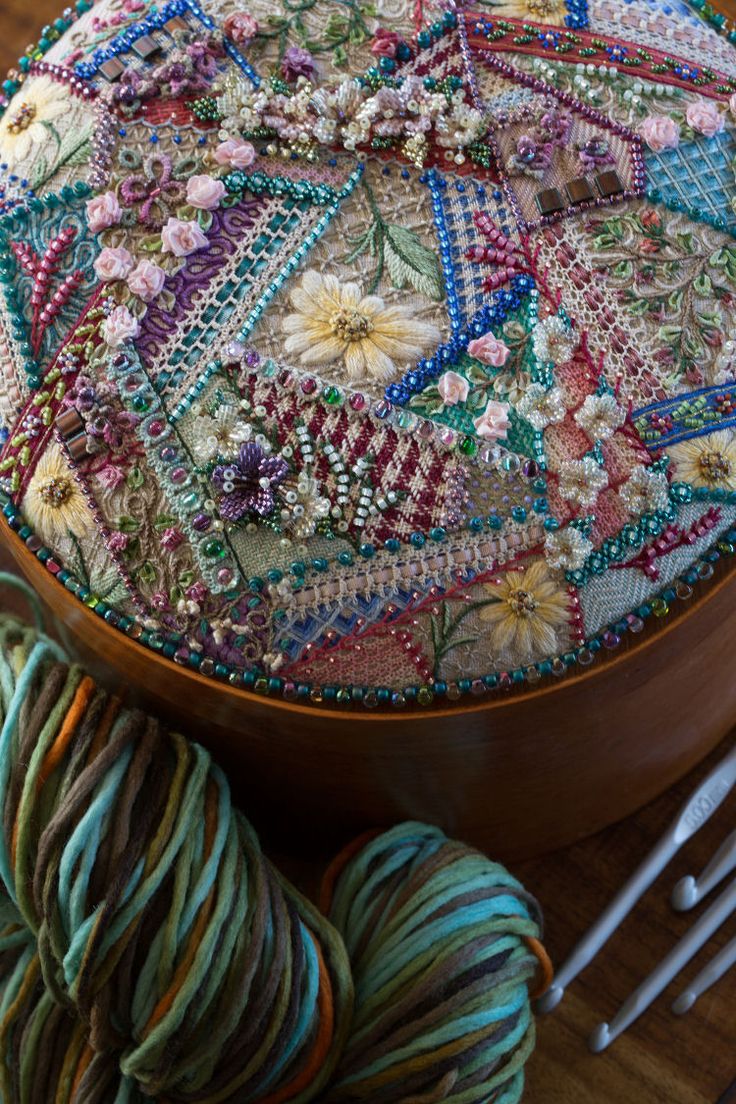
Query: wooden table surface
(662, 1059)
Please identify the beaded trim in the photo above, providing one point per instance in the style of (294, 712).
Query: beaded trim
(442, 486)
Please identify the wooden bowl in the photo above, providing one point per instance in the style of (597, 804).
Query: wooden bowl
(517, 774)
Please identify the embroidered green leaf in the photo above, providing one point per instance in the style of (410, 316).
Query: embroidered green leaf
(670, 335)
(691, 346)
(147, 573)
(604, 241)
(111, 589)
(135, 479)
(703, 285)
(624, 270)
(151, 243)
(411, 264)
(51, 129)
(81, 155)
(128, 524)
(164, 521)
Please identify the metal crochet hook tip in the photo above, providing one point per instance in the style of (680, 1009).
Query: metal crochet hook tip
(689, 891)
(712, 972)
(684, 1002)
(692, 816)
(651, 987)
(685, 894)
(599, 1039)
(550, 999)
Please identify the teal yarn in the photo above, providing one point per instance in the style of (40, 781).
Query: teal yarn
(149, 951)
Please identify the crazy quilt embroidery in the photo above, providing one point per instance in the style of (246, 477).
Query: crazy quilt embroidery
(371, 356)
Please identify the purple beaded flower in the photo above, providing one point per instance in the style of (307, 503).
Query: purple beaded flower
(594, 153)
(297, 62)
(531, 158)
(247, 485)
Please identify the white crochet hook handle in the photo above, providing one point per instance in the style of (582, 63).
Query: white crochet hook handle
(699, 807)
(659, 979)
(712, 972)
(689, 891)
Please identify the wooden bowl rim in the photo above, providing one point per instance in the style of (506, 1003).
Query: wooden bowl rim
(628, 651)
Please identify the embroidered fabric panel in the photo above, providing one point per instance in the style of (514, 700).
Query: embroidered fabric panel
(702, 178)
(370, 354)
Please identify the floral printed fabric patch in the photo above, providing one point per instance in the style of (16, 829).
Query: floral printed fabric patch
(370, 354)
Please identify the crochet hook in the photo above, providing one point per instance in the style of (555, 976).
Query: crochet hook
(689, 891)
(659, 979)
(699, 807)
(712, 972)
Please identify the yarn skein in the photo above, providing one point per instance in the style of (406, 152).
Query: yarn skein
(150, 952)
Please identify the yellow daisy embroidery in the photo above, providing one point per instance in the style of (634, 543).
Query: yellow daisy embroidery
(40, 102)
(336, 322)
(53, 504)
(528, 610)
(551, 12)
(707, 461)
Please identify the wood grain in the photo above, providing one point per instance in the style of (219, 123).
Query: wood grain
(459, 766)
(662, 1059)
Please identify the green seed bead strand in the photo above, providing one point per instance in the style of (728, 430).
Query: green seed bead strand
(320, 195)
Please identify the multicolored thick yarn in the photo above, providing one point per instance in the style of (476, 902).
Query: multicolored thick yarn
(150, 951)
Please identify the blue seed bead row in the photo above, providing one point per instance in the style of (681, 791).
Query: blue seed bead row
(11, 225)
(125, 41)
(490, 316)
(432, 180)
(577, 14)
(171, 464)
(173, 646)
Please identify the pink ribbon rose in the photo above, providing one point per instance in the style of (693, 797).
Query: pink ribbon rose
(241, 27)
(704, 116)
(204, 192)
(147, 280)
(493, 422)
(488, 349)
(120, 326)
(660, 132)
(103, 211)
(384, 43)
(182, 238)
(236, 155)
(113, 264)
(453, 388)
